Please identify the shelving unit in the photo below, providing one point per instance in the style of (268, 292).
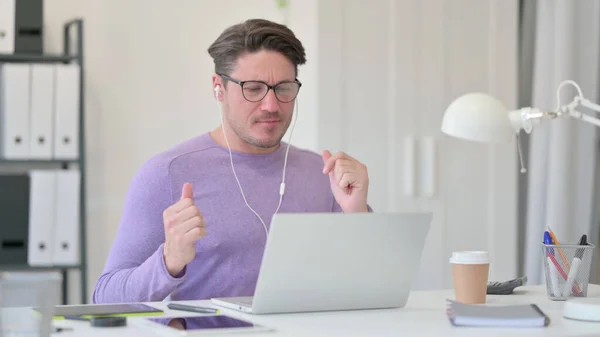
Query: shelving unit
(36, 58)
(72, 53)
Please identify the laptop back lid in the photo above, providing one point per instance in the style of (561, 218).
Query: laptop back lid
(340, 261)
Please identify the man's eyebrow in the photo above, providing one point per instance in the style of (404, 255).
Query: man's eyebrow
(287, 80)
(293, 79)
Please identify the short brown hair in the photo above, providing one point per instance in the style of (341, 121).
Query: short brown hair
(251, 36)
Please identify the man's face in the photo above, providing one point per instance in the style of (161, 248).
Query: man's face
(261, 124)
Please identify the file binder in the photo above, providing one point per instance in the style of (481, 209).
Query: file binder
(29, 26)
(14, 209)
(14, 110)
(66, 111)
(42, 193)
(42, 104)
(7, 26)
(66, 220)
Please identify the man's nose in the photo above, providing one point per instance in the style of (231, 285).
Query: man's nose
(270, 102)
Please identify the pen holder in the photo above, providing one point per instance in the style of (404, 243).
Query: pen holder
(567, 269)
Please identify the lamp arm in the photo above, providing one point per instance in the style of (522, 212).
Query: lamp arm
(586, 118)
(525, 118)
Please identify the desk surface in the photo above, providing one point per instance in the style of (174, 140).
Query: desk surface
(424, 315)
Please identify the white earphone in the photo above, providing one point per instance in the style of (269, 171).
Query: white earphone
(282, 186)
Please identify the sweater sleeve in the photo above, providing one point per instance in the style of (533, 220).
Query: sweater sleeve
(135, 270)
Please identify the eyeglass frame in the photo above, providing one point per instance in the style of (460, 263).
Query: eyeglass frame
(269, 87)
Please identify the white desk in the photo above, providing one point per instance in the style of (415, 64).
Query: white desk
(424, 315)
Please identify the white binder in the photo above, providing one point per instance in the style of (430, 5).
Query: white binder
(66, 220)
(42, 193)
(66, 111)
(14, 110)
(7, 26)
(42, 104)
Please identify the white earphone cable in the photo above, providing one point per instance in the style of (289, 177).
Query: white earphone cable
(282, 189)
(282, 186)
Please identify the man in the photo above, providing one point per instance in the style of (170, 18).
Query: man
(195, 216)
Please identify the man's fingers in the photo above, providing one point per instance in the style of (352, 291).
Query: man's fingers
(346, 180)
(326, 154)
(187, 200)
(188, 213)
(187, 191)
(329, 165)
(187, 225)
(342, 166)
(331, 162)
(193, 235)
(179, 231)
(173, 219)
(179, 206)
(327, 162)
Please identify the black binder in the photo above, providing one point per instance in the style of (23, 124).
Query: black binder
(14, 218)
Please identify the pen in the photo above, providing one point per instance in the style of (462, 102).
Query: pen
(60, 329)
(575, 266)
(76, 318)
(553, 271)
(548, 241)
(562, 256)
(192, 308)
(562, 273)
(550, 251)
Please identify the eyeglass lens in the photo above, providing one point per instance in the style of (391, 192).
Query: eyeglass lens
(256, 91)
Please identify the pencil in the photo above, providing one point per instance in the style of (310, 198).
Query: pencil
(562, 256)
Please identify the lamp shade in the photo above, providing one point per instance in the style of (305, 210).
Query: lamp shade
(478, 117)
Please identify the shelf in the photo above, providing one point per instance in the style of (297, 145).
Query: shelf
(72, 52)
(34, 268)
(38, 161)
(36, 58)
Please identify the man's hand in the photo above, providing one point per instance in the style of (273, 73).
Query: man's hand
(349, 181)
(184, 225)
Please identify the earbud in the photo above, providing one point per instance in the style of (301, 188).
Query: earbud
(218, 92)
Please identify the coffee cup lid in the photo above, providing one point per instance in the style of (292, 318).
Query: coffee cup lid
(470, 257)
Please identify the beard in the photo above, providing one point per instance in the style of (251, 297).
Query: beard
(244, 132)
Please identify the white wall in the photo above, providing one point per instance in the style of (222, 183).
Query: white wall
(390, 64)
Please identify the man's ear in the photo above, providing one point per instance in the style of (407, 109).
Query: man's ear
(218, 93)
(217, 87)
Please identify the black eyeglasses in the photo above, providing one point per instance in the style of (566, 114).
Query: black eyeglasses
(255, 91)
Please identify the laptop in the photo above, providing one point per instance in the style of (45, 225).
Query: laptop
(336, 261)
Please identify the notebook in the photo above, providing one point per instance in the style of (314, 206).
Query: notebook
(118, 309)
(523, 315)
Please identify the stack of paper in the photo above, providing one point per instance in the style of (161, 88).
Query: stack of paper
(524, 315)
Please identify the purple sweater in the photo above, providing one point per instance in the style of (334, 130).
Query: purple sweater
(228, 258)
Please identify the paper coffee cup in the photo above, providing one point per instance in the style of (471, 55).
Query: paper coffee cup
(470, 274)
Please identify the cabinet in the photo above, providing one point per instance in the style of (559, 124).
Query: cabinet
(384, 85)
(24, 170)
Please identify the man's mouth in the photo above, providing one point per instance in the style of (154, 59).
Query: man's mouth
(268, 121)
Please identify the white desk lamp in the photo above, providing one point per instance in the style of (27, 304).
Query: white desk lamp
(483, 118)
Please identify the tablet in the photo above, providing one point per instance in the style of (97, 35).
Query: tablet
(198, 325)
(119, 309)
